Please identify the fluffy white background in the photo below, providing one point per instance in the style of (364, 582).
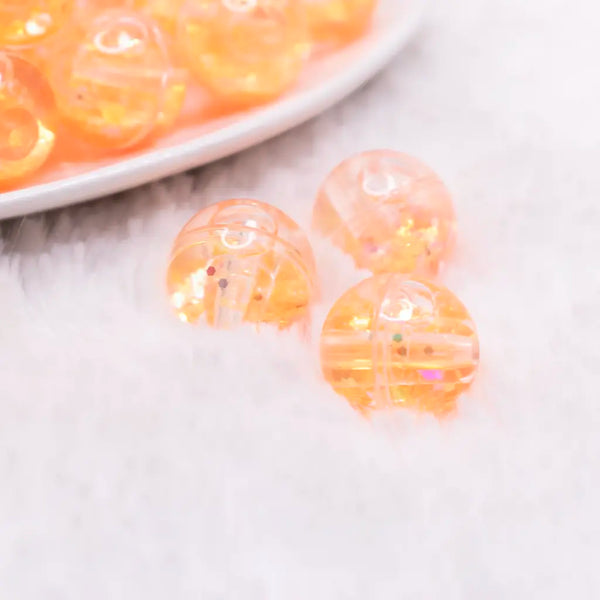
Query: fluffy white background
(140, 458)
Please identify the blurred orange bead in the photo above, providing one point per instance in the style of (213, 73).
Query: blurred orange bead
(164, 12)
(338, 21)
(389, 211)
(114, 81)
(245, 51)
(393, 341)
(24, 22)
(26, 119)
(242, 261)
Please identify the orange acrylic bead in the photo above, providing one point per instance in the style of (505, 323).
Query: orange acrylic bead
(24, 22)
(245, 51)
(392, 341)
(389, 211)
(114, 82)
(164, 12)
(26, 119)
(241, 261)
(338, 21)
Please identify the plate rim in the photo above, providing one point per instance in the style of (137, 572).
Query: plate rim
(265, 123)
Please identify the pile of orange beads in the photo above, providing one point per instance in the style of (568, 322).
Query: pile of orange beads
(81, 79)
(397, 339)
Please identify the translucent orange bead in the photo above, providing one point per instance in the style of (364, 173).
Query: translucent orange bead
(389, 211)
(241, 261)
(114, 82)
(26, 119)
(338, 21)
(392, 341)
(244, 51)
(24, 22)
(164, 12)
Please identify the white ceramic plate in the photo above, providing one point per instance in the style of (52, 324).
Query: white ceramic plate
(325, 82)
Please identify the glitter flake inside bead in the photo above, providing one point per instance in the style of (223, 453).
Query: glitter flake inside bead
(241, 261)
(245, 51)
(389, 211)
(26, 119)
(392, 341)
(118, 86)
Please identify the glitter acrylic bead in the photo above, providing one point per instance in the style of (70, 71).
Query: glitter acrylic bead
(389, 211)
(118, 86)
(26, 119)
(338, 21)
(244, 51)
(241, 261)
(164, 12)
(392, 341)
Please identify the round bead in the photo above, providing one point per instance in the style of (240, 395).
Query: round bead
(338, 21)
(392, 341)
(24, 22)
(389, 211)
(118, 86)
(241, 261)
(245, 51)
(26, 119)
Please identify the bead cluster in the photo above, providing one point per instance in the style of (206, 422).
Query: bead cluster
(81, 79)
(397, 338)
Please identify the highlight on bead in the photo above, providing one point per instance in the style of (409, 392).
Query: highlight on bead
(242, 261)
(25, 22)
(389, 211)
(245, 51)
(26, 119)
(393, 341)
(117, 86)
